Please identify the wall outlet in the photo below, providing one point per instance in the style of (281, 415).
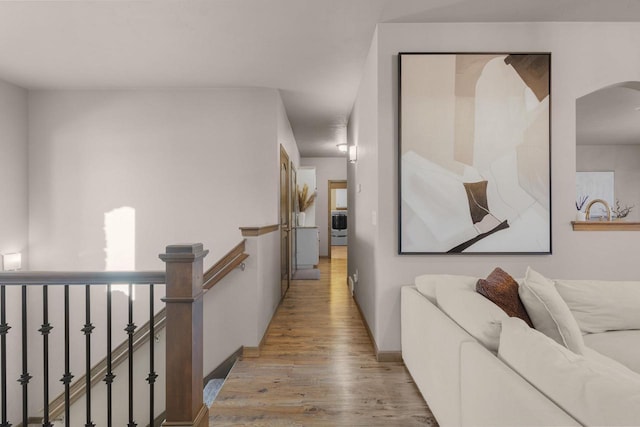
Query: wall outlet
(355, 276)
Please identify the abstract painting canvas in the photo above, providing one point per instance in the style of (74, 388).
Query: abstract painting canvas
(474, 153)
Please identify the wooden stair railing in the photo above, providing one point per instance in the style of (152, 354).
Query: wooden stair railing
(118, 356)
(175, 276)
(65, 281)
(234, 258)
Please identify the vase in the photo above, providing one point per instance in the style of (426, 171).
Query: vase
(581, 216)
(301, 217)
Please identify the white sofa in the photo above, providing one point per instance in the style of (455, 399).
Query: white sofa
(475, 366)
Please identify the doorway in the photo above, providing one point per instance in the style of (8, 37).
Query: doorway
(337, 219)
(285, 222)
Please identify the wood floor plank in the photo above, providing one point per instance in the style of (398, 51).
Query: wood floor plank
(318, 368)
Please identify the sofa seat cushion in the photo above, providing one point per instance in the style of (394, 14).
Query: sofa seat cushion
(594, 393)
(622, 346)
(600, 306)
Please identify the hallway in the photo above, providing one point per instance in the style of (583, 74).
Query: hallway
(317, 367)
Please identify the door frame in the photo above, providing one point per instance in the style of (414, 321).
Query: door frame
(332, 184)
(293, 218)
(284, 221)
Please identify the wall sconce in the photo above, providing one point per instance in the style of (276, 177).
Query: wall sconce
(353, 154)
(342, 148)
(12, 262)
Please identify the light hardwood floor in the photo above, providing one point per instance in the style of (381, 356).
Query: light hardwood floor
(317, 367)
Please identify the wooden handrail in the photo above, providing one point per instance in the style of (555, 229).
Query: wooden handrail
(227, 263)
(259, 231)
(81, 277)
(118, 356)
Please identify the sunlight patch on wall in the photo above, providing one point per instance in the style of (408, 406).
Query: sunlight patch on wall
(120, 238)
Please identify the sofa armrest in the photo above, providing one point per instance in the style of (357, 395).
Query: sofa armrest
(492, 394)
(431, 349)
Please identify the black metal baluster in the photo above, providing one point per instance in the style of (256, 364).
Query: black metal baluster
(130, 329)
(45, 330)
(4, 329)
(151, 378)
(108, 378)
(25, 377)
(67, 377)
(88, 329)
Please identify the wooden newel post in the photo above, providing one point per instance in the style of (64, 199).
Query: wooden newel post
(184, 292)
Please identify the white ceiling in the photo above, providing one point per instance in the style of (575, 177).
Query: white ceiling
(312, 50)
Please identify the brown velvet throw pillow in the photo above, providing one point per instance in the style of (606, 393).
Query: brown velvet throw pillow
(502, 289)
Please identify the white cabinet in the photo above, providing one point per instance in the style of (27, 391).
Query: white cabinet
(307, 247)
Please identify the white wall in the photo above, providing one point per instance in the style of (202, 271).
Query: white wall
(13, 214)
(585, 57)
(327, 168)
(13, 170)
(267, 279)
(624, 160)
(285, 133)
(227, 326)
(194, 164)
(362, 188)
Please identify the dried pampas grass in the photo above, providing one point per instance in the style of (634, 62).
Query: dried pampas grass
(304, 198)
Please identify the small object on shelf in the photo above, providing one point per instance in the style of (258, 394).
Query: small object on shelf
(581, 201)
(593, 202)
(621, 212)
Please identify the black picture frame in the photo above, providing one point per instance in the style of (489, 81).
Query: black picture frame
(474, 153)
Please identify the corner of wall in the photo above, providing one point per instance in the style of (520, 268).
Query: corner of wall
(363, 191)
(285, 135)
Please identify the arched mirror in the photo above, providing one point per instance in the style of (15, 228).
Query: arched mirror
(608, 157)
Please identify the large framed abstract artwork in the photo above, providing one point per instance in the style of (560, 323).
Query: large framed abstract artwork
(474, 153)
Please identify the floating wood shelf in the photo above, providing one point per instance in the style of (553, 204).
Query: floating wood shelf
(605, 226)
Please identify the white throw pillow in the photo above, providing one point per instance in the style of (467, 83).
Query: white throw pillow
(594, 393)
(426, 283)
(474, 313)
(600, 306)
(548, 312)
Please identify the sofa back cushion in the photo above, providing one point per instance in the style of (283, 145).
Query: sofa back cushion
(474, 313)
(549, 313)
(594, 393)
(621, 346)
(426, 283)
(600, 306)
